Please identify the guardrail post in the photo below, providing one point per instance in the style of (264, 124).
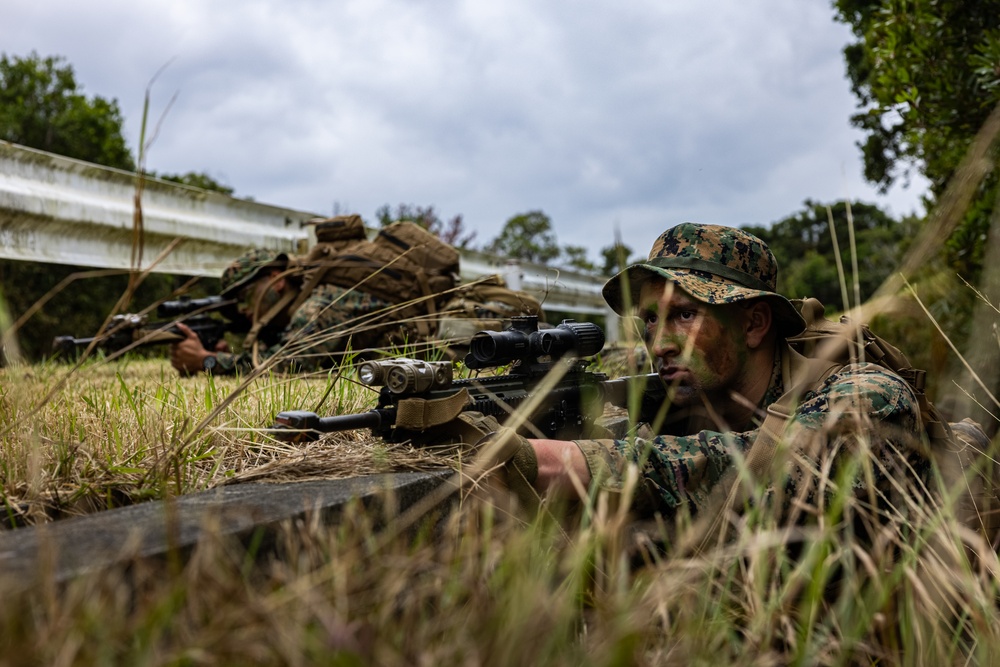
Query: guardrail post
(512, 274)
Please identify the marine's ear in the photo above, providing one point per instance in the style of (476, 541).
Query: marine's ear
(758, 322)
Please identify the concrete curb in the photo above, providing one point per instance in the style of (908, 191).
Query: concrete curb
(66, 548)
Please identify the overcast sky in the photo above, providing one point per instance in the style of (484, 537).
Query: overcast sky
(633, 115)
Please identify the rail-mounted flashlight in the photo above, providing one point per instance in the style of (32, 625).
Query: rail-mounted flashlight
(402, 376)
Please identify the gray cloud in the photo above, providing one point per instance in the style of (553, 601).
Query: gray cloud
(636, 115)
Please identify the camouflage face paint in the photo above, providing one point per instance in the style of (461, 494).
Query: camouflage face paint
(258, 297)
(697, 348)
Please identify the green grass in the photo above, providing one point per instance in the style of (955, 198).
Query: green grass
(485, 586)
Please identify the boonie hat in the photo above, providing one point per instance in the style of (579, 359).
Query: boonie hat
(248, 266)
(712, 263)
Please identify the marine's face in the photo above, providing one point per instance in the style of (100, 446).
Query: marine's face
(696, 347)
(258, 297)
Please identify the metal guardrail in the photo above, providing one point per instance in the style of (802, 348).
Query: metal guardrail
(65, 211)
(56, 209)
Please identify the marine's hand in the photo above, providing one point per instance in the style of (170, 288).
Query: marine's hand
(513, 460)
(188, 355)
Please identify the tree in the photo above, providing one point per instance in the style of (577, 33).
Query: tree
(576, 258)
(528, 237)
(452, 232)
(926, 74)
(616, 258)
(42, 107)
(197, 180)
(804, 247)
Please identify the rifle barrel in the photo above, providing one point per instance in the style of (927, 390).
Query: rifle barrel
(370, 419)
(302, 425)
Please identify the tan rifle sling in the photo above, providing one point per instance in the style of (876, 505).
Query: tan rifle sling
(292, 299)
(732, 490)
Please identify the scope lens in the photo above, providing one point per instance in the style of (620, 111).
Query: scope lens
(582, 339)
(483, 347)
(495, 348)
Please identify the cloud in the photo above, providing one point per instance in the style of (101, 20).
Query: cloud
(638, 114)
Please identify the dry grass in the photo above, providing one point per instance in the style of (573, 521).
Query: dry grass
(123, 432)
(481, 587)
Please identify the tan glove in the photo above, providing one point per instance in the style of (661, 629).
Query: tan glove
(496, 451)
(467, 428)
(514, 457)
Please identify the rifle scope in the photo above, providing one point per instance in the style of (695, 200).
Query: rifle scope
(185, 305)
(524, 342)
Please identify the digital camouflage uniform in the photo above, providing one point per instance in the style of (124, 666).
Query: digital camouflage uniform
(318, 329)
(680, 470)
(718, 265)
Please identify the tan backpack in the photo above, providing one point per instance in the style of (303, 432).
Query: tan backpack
(486, 304)
(403, 262)
(409, 267)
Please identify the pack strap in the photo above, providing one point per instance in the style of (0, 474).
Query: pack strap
(291, 299)
(311, 282)
(424, 324)
(802, 374)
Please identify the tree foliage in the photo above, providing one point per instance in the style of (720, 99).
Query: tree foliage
(531, 238)
(926, 74)
(42, 107)
(803, 244)
(575, 257)
(197, 180)
(616, 257)
(528, 237)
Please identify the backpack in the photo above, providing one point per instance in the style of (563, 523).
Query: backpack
(483, 305)
(405, 265)
(970, 478)
(403, 262)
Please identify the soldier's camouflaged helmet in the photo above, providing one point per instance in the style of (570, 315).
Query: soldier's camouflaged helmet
(712, 263)
(248, 266)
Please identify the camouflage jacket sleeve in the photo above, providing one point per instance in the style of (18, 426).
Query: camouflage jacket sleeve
(859, 403)
(320, 328)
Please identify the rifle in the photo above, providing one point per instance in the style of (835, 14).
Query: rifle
(569, 409)
(129, 330)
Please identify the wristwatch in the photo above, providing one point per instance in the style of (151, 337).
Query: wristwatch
(209, 363)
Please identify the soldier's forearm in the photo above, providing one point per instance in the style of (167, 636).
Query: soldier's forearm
(562, 468)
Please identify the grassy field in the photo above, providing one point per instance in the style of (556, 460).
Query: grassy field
(482, 586)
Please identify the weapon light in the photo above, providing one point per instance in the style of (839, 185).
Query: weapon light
(402, 375)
